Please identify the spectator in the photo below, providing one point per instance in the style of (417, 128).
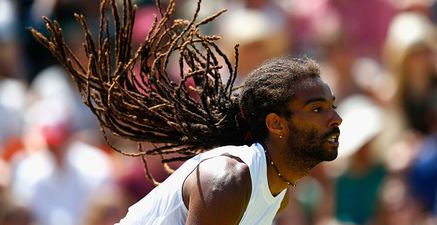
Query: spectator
(409, 50)
(358, 187)
(68, 173)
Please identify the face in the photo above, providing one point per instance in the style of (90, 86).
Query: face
(313, 125)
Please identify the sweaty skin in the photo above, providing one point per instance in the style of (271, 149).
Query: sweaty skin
(312, 112)
(218, 191)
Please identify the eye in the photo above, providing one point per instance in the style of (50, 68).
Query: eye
(334, 106)
(317, 109)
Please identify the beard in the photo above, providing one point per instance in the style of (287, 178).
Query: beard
(307, 147)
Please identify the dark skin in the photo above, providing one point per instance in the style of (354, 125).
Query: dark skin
(219, 189)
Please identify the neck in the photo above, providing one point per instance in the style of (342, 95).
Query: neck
(279, 176)
(271, 163)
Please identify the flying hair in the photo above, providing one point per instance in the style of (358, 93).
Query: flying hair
(188, 115)
(183, 116)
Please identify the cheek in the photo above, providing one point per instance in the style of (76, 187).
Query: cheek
(306, 125)
(305, 133)
(314, 121)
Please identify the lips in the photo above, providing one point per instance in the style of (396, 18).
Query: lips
(332, 137)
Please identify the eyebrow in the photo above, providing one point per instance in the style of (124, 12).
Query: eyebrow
(309, 101)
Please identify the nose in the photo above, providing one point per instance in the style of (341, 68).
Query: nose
(335, 120)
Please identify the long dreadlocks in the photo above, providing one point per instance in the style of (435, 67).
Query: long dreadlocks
(150, 106)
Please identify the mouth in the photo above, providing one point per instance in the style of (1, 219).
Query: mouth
(333, 139)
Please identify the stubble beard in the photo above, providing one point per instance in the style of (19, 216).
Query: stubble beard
(306, 149)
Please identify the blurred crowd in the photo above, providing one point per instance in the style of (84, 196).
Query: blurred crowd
(378, 56)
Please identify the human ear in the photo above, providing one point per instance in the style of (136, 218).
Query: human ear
(276, 125)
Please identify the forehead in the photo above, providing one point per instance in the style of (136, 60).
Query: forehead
(310, 89)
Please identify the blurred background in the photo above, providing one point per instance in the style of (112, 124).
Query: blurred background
(378, 56)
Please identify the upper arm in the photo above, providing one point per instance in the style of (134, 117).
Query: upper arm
(217, 191)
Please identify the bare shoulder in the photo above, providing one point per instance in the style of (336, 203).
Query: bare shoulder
(217, 191)
(225, 170)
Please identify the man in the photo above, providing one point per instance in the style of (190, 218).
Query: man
(282, 125)
(292, 117)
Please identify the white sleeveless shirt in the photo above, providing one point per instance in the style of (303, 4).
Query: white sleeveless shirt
(164, 204)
